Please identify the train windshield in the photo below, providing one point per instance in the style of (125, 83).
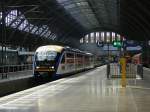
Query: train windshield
(46, 56)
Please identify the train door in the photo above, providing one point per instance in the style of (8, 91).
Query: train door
(79, 61)
(61, 68)
(91, 61)
(70, 60)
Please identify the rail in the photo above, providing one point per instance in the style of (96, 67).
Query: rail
(6, 69)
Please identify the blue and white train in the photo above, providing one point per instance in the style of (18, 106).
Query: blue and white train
(57, 60)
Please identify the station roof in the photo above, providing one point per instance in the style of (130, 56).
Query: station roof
(72, 19)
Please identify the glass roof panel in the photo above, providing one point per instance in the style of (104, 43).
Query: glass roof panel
(79, 9)
(0, 15)
(93, 13)
(70, 6)
(62, 1)
(15, 19)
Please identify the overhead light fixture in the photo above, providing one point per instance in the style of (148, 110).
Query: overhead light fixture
(78, 3)
(149, 42)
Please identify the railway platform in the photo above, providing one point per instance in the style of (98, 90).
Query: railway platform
(85, 92)
(16, 75)
(15, 81)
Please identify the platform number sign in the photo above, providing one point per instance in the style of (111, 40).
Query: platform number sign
(100, 43)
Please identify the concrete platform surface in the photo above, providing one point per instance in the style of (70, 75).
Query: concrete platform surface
(85, 92)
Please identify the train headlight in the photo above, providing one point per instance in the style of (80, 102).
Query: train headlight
(37, 67)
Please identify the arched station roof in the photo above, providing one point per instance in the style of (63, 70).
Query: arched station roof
(70, 20)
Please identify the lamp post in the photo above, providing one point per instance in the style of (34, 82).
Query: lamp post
(3, 37)
(108, 52)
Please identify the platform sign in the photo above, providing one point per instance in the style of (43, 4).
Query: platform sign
(111, 48)
(100, 43)
(131, 43)
(137, 48)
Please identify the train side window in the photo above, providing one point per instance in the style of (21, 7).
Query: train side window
(70, 55)
(63, 59)
(79, 55)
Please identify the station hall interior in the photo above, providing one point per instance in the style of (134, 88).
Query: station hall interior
(74, 56)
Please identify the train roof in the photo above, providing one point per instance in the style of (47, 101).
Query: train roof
(50, 48)
(59, 48)
(77, 50)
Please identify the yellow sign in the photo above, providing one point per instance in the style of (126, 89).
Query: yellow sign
(123, 71)
(44, 70)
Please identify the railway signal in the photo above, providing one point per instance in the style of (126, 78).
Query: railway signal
(117, 44)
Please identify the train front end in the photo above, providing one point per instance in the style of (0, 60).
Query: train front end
(46, 60)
